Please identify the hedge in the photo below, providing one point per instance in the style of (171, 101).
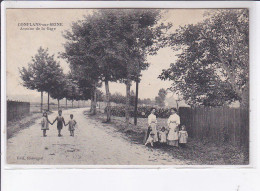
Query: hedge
(142, 111)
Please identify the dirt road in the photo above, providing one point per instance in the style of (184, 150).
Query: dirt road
(93, 144)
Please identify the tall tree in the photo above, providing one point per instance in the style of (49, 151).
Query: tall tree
(87, 86)
(42, 73)
(160, 99)
(132, 98)
(106, 43)
(79, 87)
(213, 66)
(58, 88)
(136, 33)
(89, 45)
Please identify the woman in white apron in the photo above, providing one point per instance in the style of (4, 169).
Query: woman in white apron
(152, 122)
(173, 123)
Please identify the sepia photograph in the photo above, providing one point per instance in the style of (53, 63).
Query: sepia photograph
(127, 86)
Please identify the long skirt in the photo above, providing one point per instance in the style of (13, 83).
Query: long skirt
(147, 133)
(154, 130)
(174, 143)
(173, 136)
(45, 126)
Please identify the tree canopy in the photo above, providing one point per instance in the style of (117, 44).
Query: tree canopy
(112, 45)
(213, 66)
(42, 72)
(160, 99)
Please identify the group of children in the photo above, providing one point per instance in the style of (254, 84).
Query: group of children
(182, 137)
(60, 122)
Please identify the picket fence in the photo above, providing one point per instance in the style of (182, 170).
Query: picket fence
(15, 109)
(221, 124)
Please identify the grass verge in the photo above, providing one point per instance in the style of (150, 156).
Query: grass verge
(197, 152)
(21, 123)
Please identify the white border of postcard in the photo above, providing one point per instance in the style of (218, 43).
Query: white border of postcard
(254, 123)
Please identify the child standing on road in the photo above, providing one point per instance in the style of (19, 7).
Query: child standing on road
(163, 135)
(72, 123)
(183, 136)
(60, 122)
(45, 123)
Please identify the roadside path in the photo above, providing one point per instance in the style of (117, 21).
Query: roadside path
(93, 144)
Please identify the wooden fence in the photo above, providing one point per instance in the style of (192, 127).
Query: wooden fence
(16, 109)
(220, 124)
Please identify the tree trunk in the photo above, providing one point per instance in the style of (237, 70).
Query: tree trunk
(127, 106)
(41, 100)
(108, 108)
(94, 99)
(245, 97)
(48, 101)
(136, 102)
(91, 103)
(230, 75)
(66, 103)
(72, 103)
(58, 104)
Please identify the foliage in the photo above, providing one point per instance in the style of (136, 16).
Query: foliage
(112, 44)
(120, 99)
(71, 88)
(212, 68)
(142, 111)
(159, 100)
(58, 91)
(146, 101)
(100, 96)
(80, 82)
(43, 72)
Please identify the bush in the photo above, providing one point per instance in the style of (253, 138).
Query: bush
(142, 111)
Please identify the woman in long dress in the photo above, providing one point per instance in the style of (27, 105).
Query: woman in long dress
(173, 123)
(152, 122)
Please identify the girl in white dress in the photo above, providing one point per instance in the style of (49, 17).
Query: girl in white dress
(45, 123)
(163, 135)
(152, 122)
(173, 122)
(183, 136)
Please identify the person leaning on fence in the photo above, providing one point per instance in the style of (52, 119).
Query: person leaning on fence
(173, 123)
(45, 123)
(60, 122)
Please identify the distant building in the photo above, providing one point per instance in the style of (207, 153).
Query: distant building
(171, 102)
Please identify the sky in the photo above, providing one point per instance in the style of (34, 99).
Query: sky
(23, 44)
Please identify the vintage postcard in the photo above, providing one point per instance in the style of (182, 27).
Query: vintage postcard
(127, 86)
